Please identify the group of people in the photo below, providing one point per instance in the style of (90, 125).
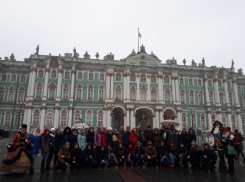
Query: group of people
(107, 148)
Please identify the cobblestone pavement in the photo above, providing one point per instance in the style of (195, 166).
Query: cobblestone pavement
(135, 174)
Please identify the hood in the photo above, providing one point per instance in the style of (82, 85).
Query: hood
(64, 131)
(206, 143)
(133, 129)
(156, 129)
(199, 129)
(193, 131)
(104, 129)
(89, 131)
(149, 143)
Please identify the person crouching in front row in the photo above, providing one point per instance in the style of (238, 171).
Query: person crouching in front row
(151, 154)
(77, 158)
(208, 158)
(139, 155)
(110, 156)
(120, 154)
(64, 158)
(129, 154)
(89, 160)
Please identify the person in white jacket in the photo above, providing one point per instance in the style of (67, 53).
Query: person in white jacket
(210, 139)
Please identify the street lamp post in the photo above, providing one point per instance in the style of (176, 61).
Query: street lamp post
(191, 109)
(20, 104)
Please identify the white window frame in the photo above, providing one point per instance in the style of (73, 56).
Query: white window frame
(102, 74)
(182, 80)
(166, 80)
(182, 91)
(10, 118)
(18, 95)
(200, 82)
(36, 90)
(56, 75)
(33, 118)
(131, 77)
(79, 72)
(211, 83)
(2, 77)
(192, 80)
(63, 92)
(21, 77)
(203, 121)
(131, 98)
(202, 96)
(4, 92)
(118, 77)
(220, 84)
(12, 77)
(143, 76)
(86, 118)
(153, 79)
(81, 92)
(89, 76)
(115, 93)
(88, 93)
(46, 123)
(12, 96)
(75, 118)
(103, 95)
(99, 119)
(61, 115)
(64, 75)
(194, 101)
(38, 72)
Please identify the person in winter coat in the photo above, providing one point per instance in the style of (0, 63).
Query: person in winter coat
(104, 137)
(183, 137)
(139, 154)
(95, 155)
(173, 137)
(173, 154)
(122, 132)
(97, 137)
(64, 158)
(134, 138)
(120, 155)
(102, 156)
(163, 133)
(129, 155)
(35, 138)
(156, 138)
(126, 137)
(81, 139)
(151, 154)
(67, 135)
(148, 134)
(45, 147)
(210, 139)
(58, 143)
(183, 153)
(51, 149)
(200, 139)
(191, 137)
(90, 136)
(194, 156)
(109, 137)
(73, 138)
(77, 158)
(120, 139)
(110, 156)
(240, 149)
(114, 139)
(162, 153)
(142, 138)
(208, 158)
(89, 160)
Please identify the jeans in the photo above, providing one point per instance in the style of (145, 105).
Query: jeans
(33, 157)
(164, 161)
(110, 161)
(139, 158)
(173, 158)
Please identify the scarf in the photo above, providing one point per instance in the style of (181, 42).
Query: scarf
(36, 134)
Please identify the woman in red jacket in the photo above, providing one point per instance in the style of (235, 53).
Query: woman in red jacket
(103, 137)
(134, 138)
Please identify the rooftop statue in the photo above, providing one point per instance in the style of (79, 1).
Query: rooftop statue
(86, 55)
(12, 57)
(37, 49)
(203, 61)
(184, 61)
(74, 52)
(97, 55)
(193, 62)
(132, 54)
(232, 64)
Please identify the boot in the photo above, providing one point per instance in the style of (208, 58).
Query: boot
(42, 165)
(172, 166)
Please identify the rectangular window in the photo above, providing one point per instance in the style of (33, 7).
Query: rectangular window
(199, 82)
(90, 95)
(79, 94)
(101, 95)
(11, 96)
(190, 82)
(132, 77)
(102, 77)
(201, 99)
(65, 93)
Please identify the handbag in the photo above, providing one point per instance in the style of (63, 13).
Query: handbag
(231, 150)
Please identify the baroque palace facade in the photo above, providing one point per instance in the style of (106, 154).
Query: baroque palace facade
(58, 91)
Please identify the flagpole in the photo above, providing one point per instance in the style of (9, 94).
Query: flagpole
(138, 40)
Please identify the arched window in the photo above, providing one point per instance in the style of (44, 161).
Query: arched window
(66, 92)
(181, 81)
(132, 94)
(194, 121)
(52, 92)
(35, 119)
(228, 84)
(23, 79)
(53, 74)
(40, 74)
(91, 76)
(118, 93)
(192, 97)
(2, 92)
(39, 90)
(63, 119)
(79, 75)
(90, 92)
(11, 94)
(67, 75)
(241, 102)
(49, 121)
(100, 119)
(221, 98)
(184, 124)
(4, 78)
(209, 83)
(167, 96)
(89, 117)
(199, 82)
(143, 94)
(132, 77)
(7, 120)
(153, 79)
(142, 78)
(21, 94)
(77, 118)
(203, 123)
(79, 93)
(166, 79)
(118, 77)
(101, 93)
(13, 78)
(17, 121)
(220, 83)
(230, 98)
(211, 98)
(153, 95)
(200, 97)
(182, 97)
(102, 77)
(224, 121)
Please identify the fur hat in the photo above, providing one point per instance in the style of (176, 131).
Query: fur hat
(52, 129)
(23, 126)
(67, 143)
(128, 127)
(121, 127)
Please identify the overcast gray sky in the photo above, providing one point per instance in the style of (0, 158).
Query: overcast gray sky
(190, 29)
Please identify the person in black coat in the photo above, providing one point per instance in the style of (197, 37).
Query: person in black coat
(77, 158)
(73, 138)
(194, 156)
(88, 153)
(109, 137)
(95, 155)
(139, 155)
(102, 157)
(208, 158)
(126, 136)
(183, 137)
(90, 136)
(51, 149)
(58, 143)
(120, 155)
(66, 135)
(142, 138)
(191, 137)
(162, 153)
(148, 134)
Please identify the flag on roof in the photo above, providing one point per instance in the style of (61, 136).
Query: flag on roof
(139, 35)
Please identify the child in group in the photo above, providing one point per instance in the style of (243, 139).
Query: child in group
(173, 154)
(95, 154)
(194, 156)
(129, 154)
(102, 157)
(89, 160)
(77, 157)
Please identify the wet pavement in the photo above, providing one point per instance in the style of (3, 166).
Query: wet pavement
(135, 174)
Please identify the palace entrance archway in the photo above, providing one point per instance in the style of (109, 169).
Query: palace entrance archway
(117, 118)
(143, 118)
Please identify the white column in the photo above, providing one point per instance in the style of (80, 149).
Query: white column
(156, 123)
(206, 92)
(160, 88)
(29, 85)
(45, 90)
(59, 83)
(70, 116)
(210, 126)
(25, 115)
(124, 87)
(34, 70)
(239, 121)
(42, 123)
(112, 86)
(108, 86)
(132, 120)
(104, 118)
(228, 116)
(28, 122)
(173, 90)
(160, 117)
(219, 118)
(138, 87)
(109, 118)
(226, 92)
(179, 118)
(127, 123)
(127, 90)
(72, 82)
(148, 88)
(56, 116)
(216, 90)
(177, 88)
(235, 93)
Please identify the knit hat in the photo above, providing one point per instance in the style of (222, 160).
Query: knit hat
(138, 127)
(23, 126)
(148, 126)
(115, 130)
(121, 127)
(128, 127)
(67, 143)
(104, 129)
(138, 143)
(52, 129)
(109, 145)
(193, 142)
(110, 128)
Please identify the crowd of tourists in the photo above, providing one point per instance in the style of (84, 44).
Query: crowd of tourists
(131, 147)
